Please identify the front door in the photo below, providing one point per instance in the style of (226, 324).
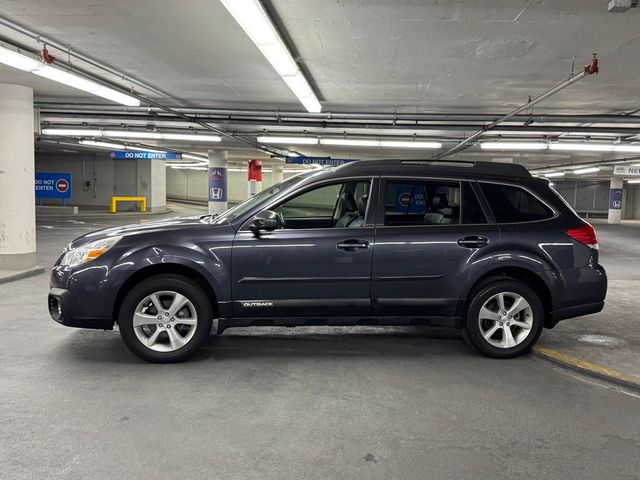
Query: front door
(431, 235)
(317, 264)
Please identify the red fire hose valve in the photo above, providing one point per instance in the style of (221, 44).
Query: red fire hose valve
(592, 67)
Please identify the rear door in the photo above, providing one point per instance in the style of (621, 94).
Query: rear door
(430, 235)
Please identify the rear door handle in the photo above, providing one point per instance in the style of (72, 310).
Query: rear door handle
(473, 241)
(352, 245)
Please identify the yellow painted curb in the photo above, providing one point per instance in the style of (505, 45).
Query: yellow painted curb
(587, 367)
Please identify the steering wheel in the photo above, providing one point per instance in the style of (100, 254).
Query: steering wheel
(283, 224)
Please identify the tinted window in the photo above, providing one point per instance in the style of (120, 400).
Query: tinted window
(422, 203)
(513, 204)
(471, 209)
(339, 205)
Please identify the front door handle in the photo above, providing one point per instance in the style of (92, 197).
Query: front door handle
(473, 241)
(352, 245)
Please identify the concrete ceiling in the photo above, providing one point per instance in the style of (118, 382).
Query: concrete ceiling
(361, 55)
(420, 55)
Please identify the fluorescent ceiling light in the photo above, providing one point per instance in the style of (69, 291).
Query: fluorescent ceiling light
(581, 171)
(30, 64)
(102, 144)
(633, 181)
(581, 147)
(554, 174)
(194, 157)
(349, 142)
(131, 134)
(409, 144)
(627, 148)
(65, 132)
(359, 142)
(289, 140)
(18, 60)
(252, 17)
(513, 146)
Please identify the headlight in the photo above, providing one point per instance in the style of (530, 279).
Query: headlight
(89, 251)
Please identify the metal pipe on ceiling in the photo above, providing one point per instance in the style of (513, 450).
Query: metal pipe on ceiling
(284, 116)
(69, 120)
(65, 47)
(588, 70)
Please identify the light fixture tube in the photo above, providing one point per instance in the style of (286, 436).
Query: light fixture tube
(30, 64)
(254, 20)
(289, 140)
(581, 171)
(513, 146)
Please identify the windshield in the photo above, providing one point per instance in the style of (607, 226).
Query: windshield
(240, 209)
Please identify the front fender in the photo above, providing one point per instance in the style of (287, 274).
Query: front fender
(214, 265)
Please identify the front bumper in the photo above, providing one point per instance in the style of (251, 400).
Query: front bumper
(63, 308)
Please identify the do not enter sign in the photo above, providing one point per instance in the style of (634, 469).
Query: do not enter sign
(53, 185)
(62, 185)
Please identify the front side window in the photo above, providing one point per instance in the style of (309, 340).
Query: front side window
(429, 202)
(511, 204)
(337, 205)
(251, 202)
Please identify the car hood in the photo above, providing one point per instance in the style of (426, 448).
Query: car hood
(147, 227)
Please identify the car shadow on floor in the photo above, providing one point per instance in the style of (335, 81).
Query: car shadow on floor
(277, 342)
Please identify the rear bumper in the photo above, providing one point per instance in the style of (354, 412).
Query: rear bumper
(63, 309)
(576, 311)
(583, 293)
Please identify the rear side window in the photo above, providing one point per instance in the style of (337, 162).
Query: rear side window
(511, 204)
(422, 203)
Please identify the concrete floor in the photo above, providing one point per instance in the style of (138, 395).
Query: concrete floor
(75, 404)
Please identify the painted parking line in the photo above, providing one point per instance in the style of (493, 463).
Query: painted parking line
(587, 368)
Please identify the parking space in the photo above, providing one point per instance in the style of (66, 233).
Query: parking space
(359, 402)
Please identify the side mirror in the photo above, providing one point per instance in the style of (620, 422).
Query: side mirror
(266, 221)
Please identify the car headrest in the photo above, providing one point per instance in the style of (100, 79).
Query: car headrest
(439, 201)
(349, 203)
(362, 204)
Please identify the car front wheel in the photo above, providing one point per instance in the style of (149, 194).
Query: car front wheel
(165, 318)
(504, 318)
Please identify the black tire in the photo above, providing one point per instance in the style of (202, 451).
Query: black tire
(481, 294)
(175, 283)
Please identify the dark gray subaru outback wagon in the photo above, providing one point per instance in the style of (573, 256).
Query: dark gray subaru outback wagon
(484, 247)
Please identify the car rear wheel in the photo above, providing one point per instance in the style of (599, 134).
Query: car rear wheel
(165, 318)
(504, 318)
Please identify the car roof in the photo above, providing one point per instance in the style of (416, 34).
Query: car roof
(456, 168)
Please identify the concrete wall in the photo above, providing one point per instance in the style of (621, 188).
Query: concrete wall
(586, 197)
(184, 184)
(631, 202)
(96, 178)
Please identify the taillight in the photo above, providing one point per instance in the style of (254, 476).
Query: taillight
(585, 234)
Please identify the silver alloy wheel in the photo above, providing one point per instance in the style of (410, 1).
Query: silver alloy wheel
(165, 321)
(505, 320)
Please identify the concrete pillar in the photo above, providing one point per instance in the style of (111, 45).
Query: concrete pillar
(152, 184)
(218, 160)
(615, 200)
(17, 209)
(254, 177)
(277, 173)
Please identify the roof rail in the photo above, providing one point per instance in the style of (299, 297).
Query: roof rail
(477, 167)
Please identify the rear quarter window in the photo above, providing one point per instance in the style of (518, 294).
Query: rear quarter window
(511, 204)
